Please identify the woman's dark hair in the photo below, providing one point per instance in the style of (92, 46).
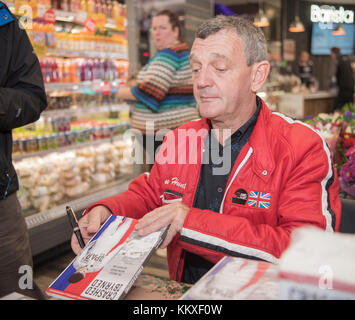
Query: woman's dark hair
(173, 20)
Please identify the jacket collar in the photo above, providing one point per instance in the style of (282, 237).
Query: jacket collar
(263, 161)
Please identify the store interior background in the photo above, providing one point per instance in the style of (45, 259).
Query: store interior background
(280, 14)
(49, 229)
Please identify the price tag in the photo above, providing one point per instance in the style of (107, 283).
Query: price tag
(120, 23)
(100, 19)
(41, 10)
(106, 89)
(90, 25)
(49, 16)
(81, 17)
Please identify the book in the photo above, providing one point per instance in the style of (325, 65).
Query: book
(109, 264)
(237, 279)
(318, 265)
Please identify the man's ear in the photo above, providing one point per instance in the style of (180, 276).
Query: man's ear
(260, 73)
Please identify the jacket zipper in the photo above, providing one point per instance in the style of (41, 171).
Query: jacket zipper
(193, 202)
(241, 165)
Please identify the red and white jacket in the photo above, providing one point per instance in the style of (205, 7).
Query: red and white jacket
(283, 178)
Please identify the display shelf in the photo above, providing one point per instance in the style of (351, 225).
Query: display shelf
(79, 86)
(71, 112)
(78, 18)
(19, 157)
(53, 52)
(108, 190)
(51, 228)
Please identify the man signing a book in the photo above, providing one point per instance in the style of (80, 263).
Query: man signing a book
(237, 181)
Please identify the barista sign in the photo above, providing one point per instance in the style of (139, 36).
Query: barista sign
(329, 14)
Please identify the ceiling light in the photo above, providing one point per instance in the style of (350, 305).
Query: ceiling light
(296, 25)
(261, 19)
(339, 30)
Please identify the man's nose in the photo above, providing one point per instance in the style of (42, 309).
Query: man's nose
(203, 79)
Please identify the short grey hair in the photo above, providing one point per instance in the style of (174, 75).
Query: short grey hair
(253, 38)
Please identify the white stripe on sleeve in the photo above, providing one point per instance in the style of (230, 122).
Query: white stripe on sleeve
(325, 205)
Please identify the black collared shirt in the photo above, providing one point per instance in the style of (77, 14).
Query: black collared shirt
(212, 184)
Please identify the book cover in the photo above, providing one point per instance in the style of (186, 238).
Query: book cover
(237, 279)
(318, 265)
(109, 264)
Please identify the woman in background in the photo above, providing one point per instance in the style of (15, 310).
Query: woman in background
(163, 94)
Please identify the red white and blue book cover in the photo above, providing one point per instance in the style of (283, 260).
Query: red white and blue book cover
(234, 278)
(109, 264)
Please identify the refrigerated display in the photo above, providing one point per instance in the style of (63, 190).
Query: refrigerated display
(75, 153)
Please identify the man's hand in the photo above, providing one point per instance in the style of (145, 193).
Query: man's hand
(173, 214)
(89, 225)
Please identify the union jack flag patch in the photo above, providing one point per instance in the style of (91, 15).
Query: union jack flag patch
(259, 200)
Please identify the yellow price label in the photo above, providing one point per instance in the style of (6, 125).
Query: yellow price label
(99, 18)
(120, 23)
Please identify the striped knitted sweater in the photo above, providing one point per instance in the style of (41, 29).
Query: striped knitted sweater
(164, 90)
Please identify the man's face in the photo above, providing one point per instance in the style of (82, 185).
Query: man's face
(221, 77)
(304, 57)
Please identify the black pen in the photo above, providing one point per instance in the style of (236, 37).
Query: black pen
(74, 223)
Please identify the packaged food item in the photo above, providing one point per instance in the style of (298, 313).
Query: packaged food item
(46, 181)
(24, 196)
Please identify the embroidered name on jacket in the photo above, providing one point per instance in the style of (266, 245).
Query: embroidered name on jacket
(175, 182)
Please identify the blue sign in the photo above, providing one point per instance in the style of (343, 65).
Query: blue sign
(323, 39)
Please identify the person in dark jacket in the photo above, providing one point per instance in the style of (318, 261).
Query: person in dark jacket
(22, 99)
(344, 79)
(305, 68)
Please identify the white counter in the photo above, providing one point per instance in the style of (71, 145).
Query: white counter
(301, 106)
(320, 95)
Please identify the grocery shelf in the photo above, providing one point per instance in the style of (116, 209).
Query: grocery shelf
(65, 16)
(77, 86)
(51, 228)
(75, 146)
(80, 18)
(54, 52)
(68, 86)
(86, 110)
(37, 219)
